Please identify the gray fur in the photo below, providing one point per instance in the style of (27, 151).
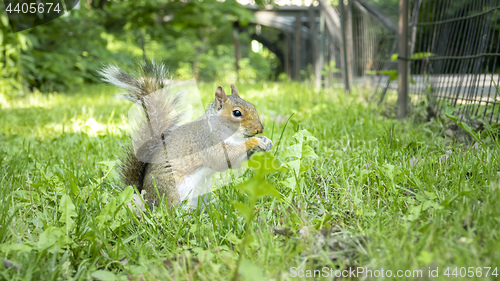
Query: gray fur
(150, 89)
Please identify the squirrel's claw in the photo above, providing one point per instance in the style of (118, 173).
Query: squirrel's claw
(265, 144)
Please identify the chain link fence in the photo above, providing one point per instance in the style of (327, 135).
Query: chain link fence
(453, 57)
(456, 57)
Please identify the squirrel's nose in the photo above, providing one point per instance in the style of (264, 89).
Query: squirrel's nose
(260, 130)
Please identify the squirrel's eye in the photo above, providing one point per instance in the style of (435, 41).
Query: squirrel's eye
(236, 113)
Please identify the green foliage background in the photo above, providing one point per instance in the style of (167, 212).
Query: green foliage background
(194, 38)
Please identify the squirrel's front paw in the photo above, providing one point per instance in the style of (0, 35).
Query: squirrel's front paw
(265, 144)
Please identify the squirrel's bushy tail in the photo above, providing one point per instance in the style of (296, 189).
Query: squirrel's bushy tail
(150, 88)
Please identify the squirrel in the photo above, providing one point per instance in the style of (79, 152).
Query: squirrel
(175, 162)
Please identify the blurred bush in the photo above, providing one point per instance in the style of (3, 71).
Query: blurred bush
(194, 38)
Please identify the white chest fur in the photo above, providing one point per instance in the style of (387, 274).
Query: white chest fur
(199, 183)
(196, 184)
(236, 139)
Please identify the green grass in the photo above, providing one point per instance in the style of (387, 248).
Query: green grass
(368, 191)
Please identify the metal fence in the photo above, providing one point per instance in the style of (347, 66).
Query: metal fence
(362, 37)
(444, 51)
(456, 54)
(447, 51)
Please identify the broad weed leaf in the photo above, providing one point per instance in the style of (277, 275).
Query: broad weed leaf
(293, 151)
(244, 210)
(290, 182)
(304, 134)
(265, 189)
(107, 212)
(257, 188)
(264, 163)
(110, 164)
(103, 275)
(294, 166)
(67, 210)
(307, 151)
(250, 271)
(15, 247)
(414, 213)
(50, 238)
(126, 195)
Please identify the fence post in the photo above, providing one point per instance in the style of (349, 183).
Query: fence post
(288, 51)
(403, 60)
(322, 45)
(237, 53)
(298, 45)
(347, 85)
(349, 41)
(314, 43)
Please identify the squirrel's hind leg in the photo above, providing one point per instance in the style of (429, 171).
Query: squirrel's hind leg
(159, 181)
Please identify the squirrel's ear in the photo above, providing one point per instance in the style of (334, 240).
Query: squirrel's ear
(220, 97)
(234, 90)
